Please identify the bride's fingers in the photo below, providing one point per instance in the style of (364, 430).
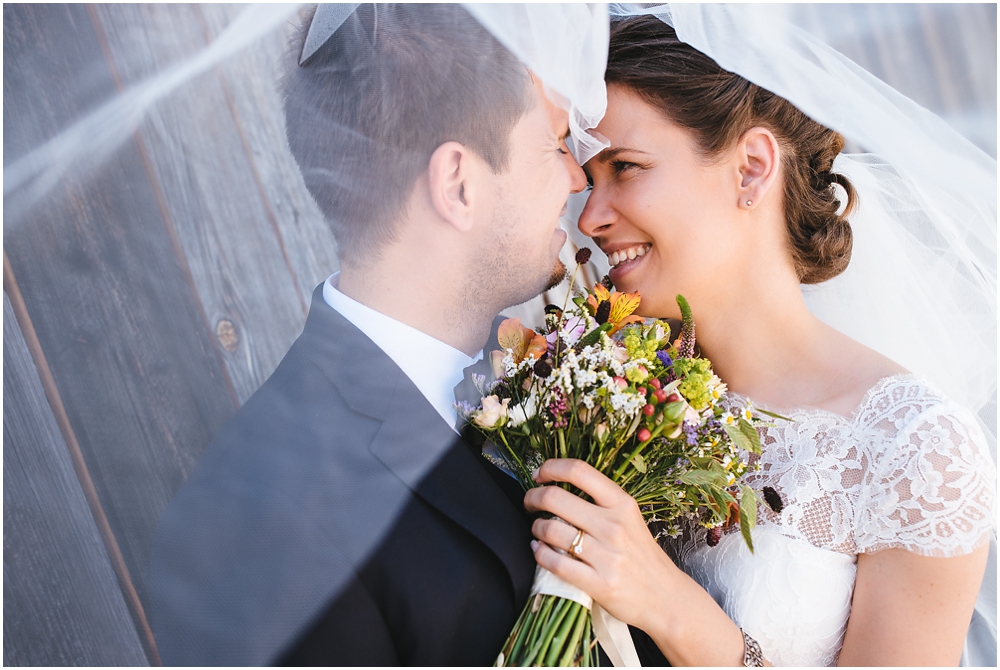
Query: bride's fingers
(577, 573)
(561, 535)
(563, 504)
(582, 475)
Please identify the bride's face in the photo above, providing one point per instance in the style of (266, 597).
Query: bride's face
(663, 213)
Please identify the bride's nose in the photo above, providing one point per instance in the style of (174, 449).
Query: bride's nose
(597, 215)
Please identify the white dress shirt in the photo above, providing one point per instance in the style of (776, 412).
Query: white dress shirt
(434, 367)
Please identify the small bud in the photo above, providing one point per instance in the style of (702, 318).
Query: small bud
(542, 368)
(583, 255)
(606, 283)
(714, 535)
(642, 390)
(643, 434)
(673, 397)
(661, 396)
(603, 312)
(648, 410)
(622, 383)
(655, 383)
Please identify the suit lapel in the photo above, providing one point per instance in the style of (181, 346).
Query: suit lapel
(426, 454)
(415, 443)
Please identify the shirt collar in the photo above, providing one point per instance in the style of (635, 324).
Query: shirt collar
(434, 367)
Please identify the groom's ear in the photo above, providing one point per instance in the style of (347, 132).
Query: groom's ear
(451, 178)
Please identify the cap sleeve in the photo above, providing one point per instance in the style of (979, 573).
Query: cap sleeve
(930, 488)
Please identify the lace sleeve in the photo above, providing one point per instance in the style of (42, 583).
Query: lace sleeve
(931, 488)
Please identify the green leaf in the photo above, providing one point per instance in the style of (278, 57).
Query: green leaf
(751, 434)
(639, 463)
(703, 478)
(593, 336)
(748, 514)
(772, 414)
(738, 438)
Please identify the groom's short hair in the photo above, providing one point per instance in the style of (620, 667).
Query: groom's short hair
(366, 111)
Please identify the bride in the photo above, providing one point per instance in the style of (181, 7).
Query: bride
(879, 490)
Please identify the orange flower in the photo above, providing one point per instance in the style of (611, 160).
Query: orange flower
(622, 306)
(524, 342)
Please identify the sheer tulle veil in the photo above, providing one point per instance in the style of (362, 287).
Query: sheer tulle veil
(922, 283)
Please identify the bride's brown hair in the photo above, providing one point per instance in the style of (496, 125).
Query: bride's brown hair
(717, 107)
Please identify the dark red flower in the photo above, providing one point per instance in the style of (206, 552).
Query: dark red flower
(583, 255)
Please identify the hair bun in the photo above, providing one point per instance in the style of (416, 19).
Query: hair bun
(823, 249)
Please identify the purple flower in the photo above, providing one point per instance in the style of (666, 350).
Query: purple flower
(690, 433)
(665, 358)
(575, 327)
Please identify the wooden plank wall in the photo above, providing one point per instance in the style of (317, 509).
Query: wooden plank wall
(164, 289)
(145, 301)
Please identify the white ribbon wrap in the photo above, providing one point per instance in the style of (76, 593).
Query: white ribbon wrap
(612, 634)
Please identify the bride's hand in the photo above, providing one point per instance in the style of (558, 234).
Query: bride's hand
(620, 566)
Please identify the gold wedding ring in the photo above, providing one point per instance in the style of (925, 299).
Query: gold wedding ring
(576, 548)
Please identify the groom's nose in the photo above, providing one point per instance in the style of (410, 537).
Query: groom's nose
(578, 180)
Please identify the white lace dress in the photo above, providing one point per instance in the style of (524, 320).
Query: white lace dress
(910, 469)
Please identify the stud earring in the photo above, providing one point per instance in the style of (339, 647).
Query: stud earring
(749, 202)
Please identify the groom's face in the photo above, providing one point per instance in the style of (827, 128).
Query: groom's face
(533, 191)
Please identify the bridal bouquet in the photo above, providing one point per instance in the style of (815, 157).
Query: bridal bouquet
(600, 385)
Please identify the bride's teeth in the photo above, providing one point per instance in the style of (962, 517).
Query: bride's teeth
(641, 251)
(631, 253)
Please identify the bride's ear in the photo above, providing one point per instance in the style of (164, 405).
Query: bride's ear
(451, 178)
(758, 156)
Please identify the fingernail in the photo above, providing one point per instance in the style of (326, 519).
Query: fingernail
(534, 474)
(534, 545)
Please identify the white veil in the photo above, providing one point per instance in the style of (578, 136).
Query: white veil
(922, 283)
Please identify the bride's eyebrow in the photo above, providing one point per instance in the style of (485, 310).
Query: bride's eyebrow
(609, 155)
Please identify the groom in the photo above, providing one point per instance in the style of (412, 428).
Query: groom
(338, 518)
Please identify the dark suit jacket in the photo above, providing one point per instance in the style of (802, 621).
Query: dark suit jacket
(337, 519)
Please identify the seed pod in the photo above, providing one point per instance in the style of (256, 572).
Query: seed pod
(773, 499)
(603, 312)
(583, 255)
(542, 369)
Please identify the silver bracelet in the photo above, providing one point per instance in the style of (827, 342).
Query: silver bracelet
(752, 656)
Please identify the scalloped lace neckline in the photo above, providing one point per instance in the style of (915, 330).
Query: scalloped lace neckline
(876, 388)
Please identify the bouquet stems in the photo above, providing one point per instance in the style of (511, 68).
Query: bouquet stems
(551, 631)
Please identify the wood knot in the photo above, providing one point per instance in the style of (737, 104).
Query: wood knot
(225, 331)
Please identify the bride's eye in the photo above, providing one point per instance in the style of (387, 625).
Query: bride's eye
(621, 167)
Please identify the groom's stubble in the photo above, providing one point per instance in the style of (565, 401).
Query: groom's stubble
(505, 273)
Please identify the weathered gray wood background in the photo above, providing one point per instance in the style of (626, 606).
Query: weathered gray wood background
(143, 303)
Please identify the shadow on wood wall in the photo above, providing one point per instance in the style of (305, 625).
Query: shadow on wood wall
(144, 302)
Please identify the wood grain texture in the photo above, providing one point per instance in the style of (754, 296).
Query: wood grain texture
(253, 77)
(62, 602)
(114, 313)
(213, 192)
